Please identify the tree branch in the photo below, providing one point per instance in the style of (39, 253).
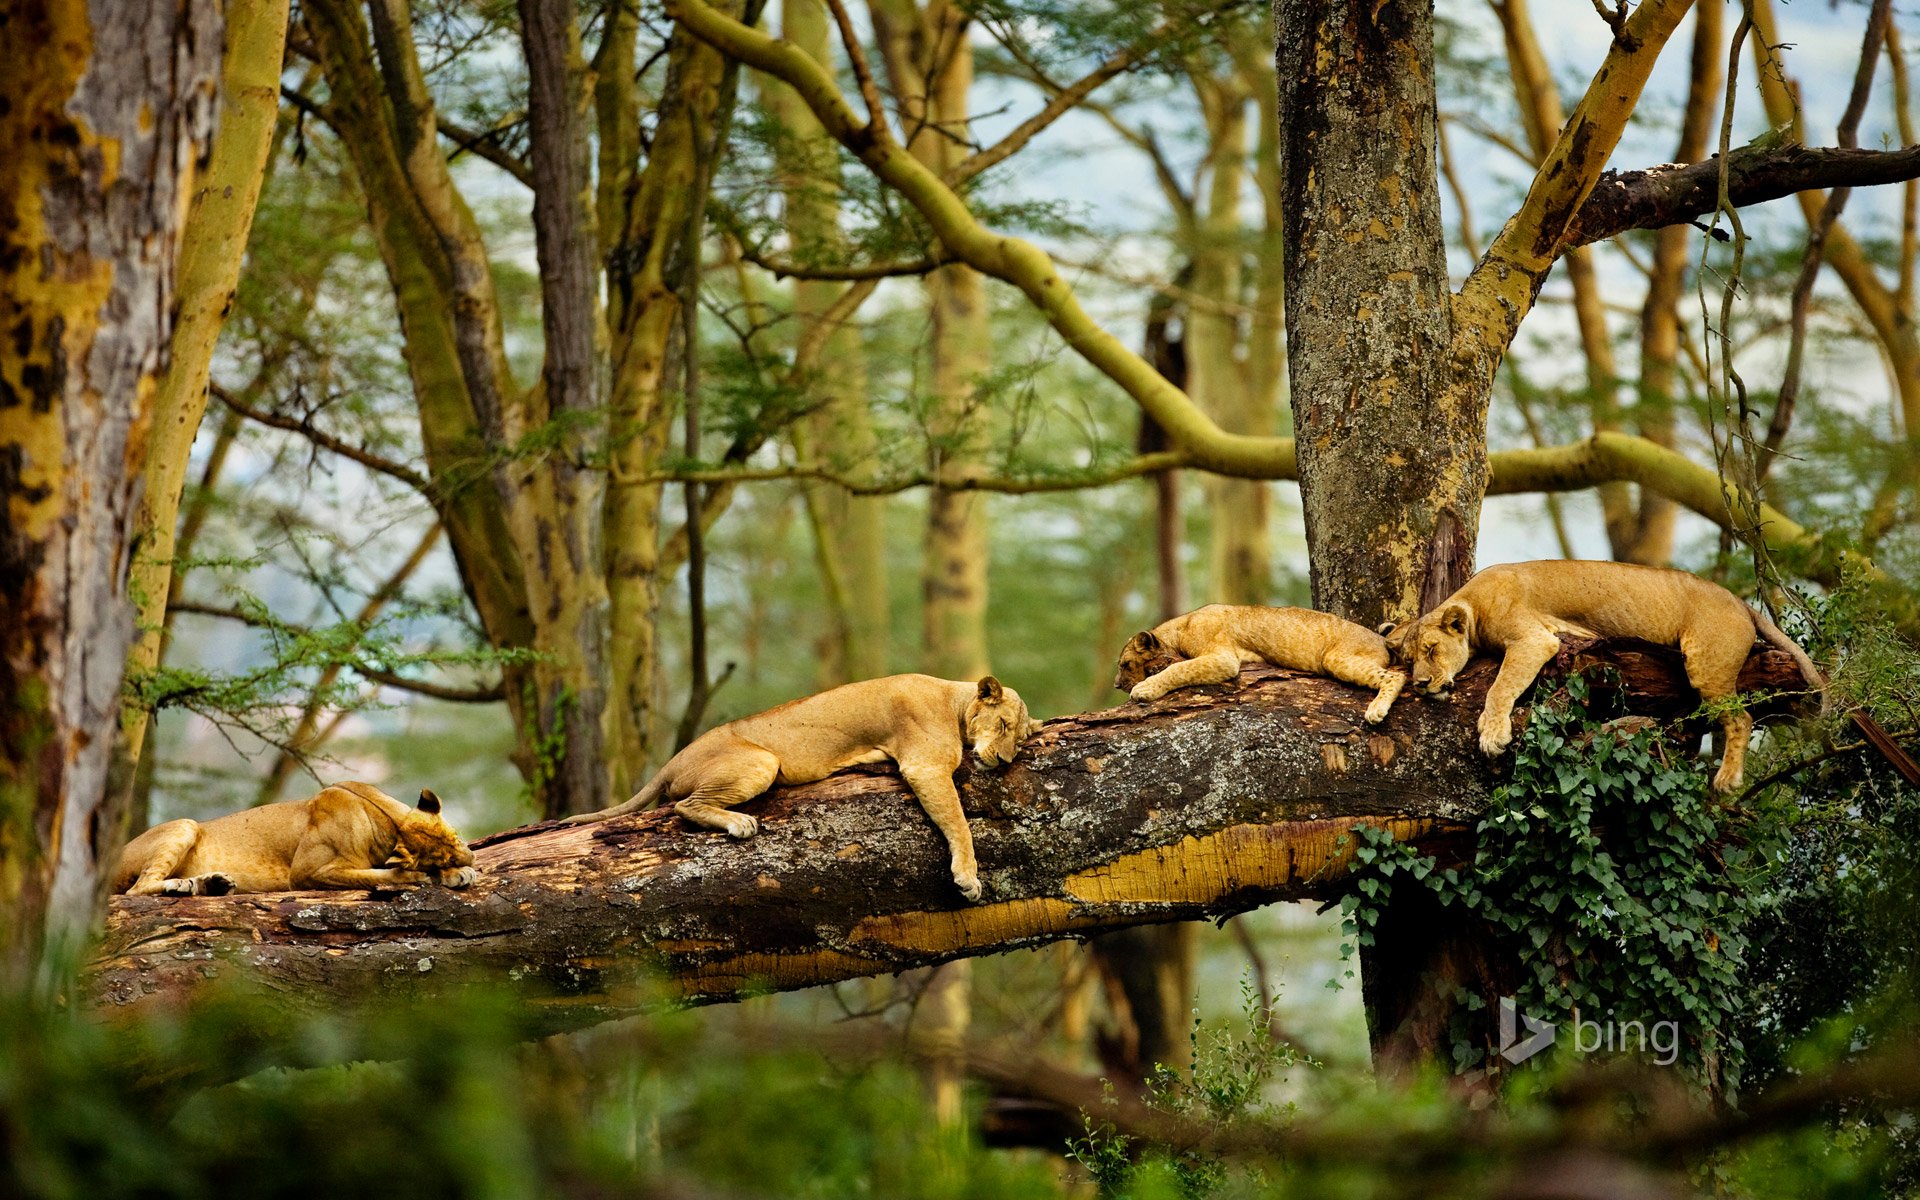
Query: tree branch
(477, 695)
(326, 441)
(1210, 802)
(1498, 293)
(482, 145)
(1010, 259)
(1672, 194)
(783, 268)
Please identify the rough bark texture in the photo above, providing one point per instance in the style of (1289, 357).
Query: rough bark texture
(1392, 467)
(1211, 802)
(1672, 194)
(569, 547)
(109, 109)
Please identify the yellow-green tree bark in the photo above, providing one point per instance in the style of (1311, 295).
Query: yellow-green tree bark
(1240, 559)
(211, 251)
(109, 109)
(850, 529)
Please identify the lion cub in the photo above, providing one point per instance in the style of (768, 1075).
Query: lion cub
(351, 835)
(1214, 641)
(1522, 609)
(925, 725)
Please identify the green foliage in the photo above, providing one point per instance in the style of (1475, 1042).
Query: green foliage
(447, 1101)
(1230, 1081)
(1601, 868)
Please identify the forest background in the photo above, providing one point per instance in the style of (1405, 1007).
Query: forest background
(355, 580)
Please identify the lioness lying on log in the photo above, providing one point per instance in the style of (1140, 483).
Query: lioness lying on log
(926, 725)
(1523, 608)
(1213, 641)
(351, 835)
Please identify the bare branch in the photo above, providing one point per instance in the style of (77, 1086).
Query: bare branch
(1672, 194)
(783, 268)
(1848, 137)
(326, 441)
(862, 73)
(483, 145)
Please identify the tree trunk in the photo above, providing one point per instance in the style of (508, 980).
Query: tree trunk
(1210, 802)
(850, 529)
(110, 110)
(1392, 462)
(1240, 563)
(212, 248)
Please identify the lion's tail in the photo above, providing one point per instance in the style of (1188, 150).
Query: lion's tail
(1808, 671)
(642, 800)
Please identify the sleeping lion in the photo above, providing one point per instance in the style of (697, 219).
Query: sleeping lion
(351, 835)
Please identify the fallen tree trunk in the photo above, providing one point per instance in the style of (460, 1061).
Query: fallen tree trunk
(1210, 802)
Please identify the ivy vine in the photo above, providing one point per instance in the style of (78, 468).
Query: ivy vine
(1601, 868)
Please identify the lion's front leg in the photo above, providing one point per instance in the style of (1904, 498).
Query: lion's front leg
(339, 875)
(1518, 669)
(932, 785)
(1369, 670)
(1217, 667)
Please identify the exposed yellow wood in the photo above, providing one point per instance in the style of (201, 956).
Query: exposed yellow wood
(1197, 870)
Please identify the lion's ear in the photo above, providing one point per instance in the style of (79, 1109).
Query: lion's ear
(1453, 619)
(1147, 642)
(429, 803)
(990, 690)
(1386, 628)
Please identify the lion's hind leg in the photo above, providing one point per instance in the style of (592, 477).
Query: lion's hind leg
(718, 785)
(1369, 671)
(1217, 666)
(1713, 668)
(166, 847)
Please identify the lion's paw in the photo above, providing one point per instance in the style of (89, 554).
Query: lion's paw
(458, 877)
(1145, 692)
(1495, 736)
(969, 886)
(1377, 711)
(740, 825)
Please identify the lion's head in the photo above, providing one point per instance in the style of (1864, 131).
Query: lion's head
(1435, 646)
(427, 842)
(997, 723)
(1143, 655)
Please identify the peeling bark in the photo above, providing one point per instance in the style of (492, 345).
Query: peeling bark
(1211, 802)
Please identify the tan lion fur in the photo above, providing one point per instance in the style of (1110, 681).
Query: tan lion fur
(1214, 641)
(1521, 609)
(351, 835)
(925, 725)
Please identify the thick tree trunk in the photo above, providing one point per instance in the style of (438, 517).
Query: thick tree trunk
(110, 108)
(1210, 802)
(1392, 464)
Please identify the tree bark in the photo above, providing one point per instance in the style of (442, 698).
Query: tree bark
(213, 246)
(850, 530)
(110, 109)
(1210, 802)
(1392, 463)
